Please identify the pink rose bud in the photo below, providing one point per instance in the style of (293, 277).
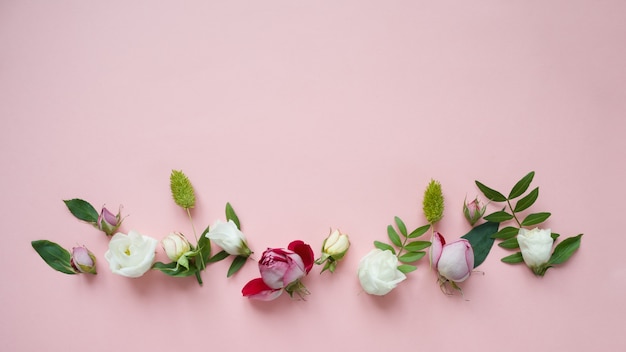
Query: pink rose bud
(453, 261)
(473, 211)
(108, 222)
(83, 260)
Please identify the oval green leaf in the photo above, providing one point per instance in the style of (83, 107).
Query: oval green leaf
(534, 219)
(231, 215)
(527, 201)
(565, 249)
(417, 246)
(401, 226)
(511, 243)
(411, 257)
(522, 185)
(506, 233)
(498, 216)
(384, 247)
(514, 258)
(82, 210)
(419, 231)
(57, 257)
(405, 268)
(491, 194)
(237, 264)
(393, 236)
(480, 239)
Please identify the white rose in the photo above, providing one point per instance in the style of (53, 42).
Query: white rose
(378, 272)
(175, 245)
(131, 255)
(229, 238)
(536, 246)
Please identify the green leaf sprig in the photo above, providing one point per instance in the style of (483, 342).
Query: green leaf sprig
(511, 213)
(407, 249)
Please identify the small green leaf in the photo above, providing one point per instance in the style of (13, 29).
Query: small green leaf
(522, 185)
(417, 246)
(513, 258)
(231, 215)
(480, 239)
(564, 250)
(401, 226)
(182, 190)
(534, 219)
(237, 264)
(491, 194)
(499, 216)
(219, 256)
(173, 269)
(384, 247)
(393, 236)
(411, 257)
(527, 201)
(82, 210)
(57, 257)
(419, 231)
(506, 233)
(554, 235)
(405, 268)
(511, 243)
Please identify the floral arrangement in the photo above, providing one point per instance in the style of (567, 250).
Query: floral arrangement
(132, 254)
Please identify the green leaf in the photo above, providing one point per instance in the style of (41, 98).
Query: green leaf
(565, 249)
(522, 185)
(401, 226)
(405, 268)
(230, 215)
(384, 247)
(513, 258)
(182, 190)
(237, 264)
(511, 243)
(219, 256)
(411, 257)
(480, 239)
(506, 233)
(499, 216)
(204, 246)
(534, 219)
(419, 231)
(527, 201)
(54, 255)
(554, 235)
(491, 194)
(82, 210)
(417, 246)
(173, 269)
(393, 236)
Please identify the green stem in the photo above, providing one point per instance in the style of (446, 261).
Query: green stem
(513, 213)
(199, 255)
(192, 226)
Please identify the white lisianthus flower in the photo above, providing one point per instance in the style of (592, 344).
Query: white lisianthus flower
(131, 255)
(378, 272)
(229, 238)
(536, 247)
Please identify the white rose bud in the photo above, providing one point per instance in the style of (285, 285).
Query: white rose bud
(229, 238)
(378, 272)
(336, 245)
(175, 245)
(131, 255)
(536, 247)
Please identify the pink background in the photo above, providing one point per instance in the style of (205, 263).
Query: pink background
(307, 115)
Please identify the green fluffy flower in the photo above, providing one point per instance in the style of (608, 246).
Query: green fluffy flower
(433, 202)
(182, 190)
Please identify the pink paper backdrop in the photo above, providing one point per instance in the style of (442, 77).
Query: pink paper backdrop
(307, 115)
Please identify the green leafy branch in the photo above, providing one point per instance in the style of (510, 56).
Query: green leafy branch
(408, 249)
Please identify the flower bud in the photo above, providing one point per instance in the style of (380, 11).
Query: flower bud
(334, 248)
(108, 222)
(536, 248)
(83, 260)
(175, 245)
(473, 211)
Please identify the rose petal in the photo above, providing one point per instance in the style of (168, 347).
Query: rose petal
(257, 289)
(305, 252)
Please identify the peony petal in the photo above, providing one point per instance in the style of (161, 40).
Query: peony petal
(453, 264)
(305, 252)
(257, 289)
(436, 248)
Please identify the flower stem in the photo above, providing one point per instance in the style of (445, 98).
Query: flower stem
(192, 226)
(513, 213)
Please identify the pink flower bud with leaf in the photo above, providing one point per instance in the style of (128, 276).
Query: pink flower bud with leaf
(453, 261)
(108, 222)
(82, 260)
(473, 211)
